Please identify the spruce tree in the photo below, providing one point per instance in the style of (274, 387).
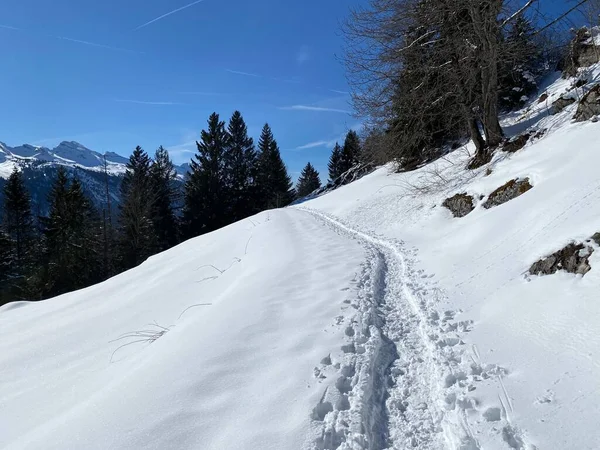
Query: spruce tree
(72, 257)
(6, 266)
(240, 167)
(521, 64)
(274, 185)
(137, 239)
(57, 237)
(335, 160)
(350, 152)
(308, 182)
(205, 202)
(18, 224)
(87, 239)
(163, 177)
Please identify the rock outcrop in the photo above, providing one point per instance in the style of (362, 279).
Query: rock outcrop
(589, 106)
(507, 192)
(460, 204)
(574, 258)
(517, 143)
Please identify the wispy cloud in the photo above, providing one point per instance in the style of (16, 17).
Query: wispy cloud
(246, 74)
(339, 92)
(313, 108)
(318, 144)
(94, 44)
(76, 41)
(141, 102)
(168, 14)
(201, 93)
(303, 55)
(329, 143)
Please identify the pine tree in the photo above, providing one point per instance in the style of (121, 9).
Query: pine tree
(240, 167)
(521, 64)
(137, 238)
(274, 185)
(18, 225)
(308, 182)
(205, 188)
(163, 176)
(87, 239)
(72, 254)
(6, 265)
(350, 152)
(335, 163)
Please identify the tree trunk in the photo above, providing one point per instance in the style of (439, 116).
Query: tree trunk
(477, 138)
(485, 23)
(493, 131)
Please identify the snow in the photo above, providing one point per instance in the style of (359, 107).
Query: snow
(367, 318)
(235, 374)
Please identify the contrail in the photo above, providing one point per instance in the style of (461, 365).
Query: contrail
(168, 14)
(314, 108)
(140, 102)
(246, 74)
(93, 44)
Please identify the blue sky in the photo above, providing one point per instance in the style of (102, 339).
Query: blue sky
(113, 74)
(91, 71)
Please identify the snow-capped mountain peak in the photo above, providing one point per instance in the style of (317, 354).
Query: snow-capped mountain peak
(67, 153)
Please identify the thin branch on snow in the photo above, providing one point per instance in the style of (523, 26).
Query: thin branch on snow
(193, 306)
(148, 335)
(247, 243)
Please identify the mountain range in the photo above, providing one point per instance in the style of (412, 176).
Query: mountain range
(40, 164)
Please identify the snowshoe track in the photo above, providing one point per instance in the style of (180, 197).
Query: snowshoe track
(406, 379)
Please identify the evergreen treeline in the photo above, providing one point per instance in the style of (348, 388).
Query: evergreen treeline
(75, 245)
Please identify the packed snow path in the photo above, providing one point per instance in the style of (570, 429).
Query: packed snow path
(406, 382)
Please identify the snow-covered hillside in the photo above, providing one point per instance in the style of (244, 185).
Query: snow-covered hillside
(367, 318)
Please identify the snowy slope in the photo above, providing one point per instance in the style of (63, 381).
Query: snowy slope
(526, 357)
(235, 374)
(368, 318)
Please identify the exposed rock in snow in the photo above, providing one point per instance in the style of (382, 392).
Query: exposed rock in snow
(516, 144)
(574, 258)
(507, 192)
(560, 104)
(460, 204)
(583, 51)
(589, 106)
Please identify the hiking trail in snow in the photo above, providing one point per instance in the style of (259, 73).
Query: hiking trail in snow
(406, 378)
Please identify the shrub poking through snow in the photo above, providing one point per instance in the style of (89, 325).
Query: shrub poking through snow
(511, 190)
(517, 143)
(574, 258)
(589, 105)
(596, 238)
(149, 335)
(460, 204)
